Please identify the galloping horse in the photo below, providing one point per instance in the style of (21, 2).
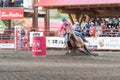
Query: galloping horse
(78, 44)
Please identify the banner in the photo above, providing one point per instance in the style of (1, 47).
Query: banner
(11, 14)
(34, 34)
(7, 45)
(92, 44)
(102, 43)
(56, 42)
(109, 43)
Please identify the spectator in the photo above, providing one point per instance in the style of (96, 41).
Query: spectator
(12, 36)
(1, 3)
(18, 3)
(99, 21)
(118, 34)
(12, 3)
(104, 26)
(116, 23)
(22, 36)
(22, 31)
(92, 30)
(88, 25)
(83, 24)
(110, 23)
(84, 31)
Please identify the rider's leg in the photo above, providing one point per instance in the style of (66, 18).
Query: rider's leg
(68, 40)
(69, 45)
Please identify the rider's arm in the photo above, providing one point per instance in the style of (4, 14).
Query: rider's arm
(61, 30)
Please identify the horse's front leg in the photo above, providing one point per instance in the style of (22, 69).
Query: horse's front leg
(83, 51)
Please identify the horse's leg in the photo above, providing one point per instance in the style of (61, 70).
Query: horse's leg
(87, 50)
(83, 51)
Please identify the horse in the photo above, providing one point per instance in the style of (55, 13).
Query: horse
(78, 44)
(75, 42)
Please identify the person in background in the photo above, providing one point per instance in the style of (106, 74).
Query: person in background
(22, 34)
(23, 31)
(1, 3)
(12, 36)
(88, 25)
(92, 30)
(110, 23)
(84, 31)
(65, 31)
(12, 2)
(118, 34)
(77, 30)
(104, 26)
(116, 23)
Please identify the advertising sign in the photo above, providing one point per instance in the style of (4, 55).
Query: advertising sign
(7, 45)
(34, 34)
(92, 44)
(56, 42)
(102, 43)
(39, 46)
(108, 43)
(11, 14)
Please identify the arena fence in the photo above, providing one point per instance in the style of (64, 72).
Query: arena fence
(22, 40)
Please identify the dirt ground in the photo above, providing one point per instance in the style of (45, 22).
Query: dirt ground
(21, 65)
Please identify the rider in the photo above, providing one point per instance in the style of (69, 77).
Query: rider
(77, 31)
(63, 29)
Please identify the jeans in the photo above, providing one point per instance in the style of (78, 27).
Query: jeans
(67, 37)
